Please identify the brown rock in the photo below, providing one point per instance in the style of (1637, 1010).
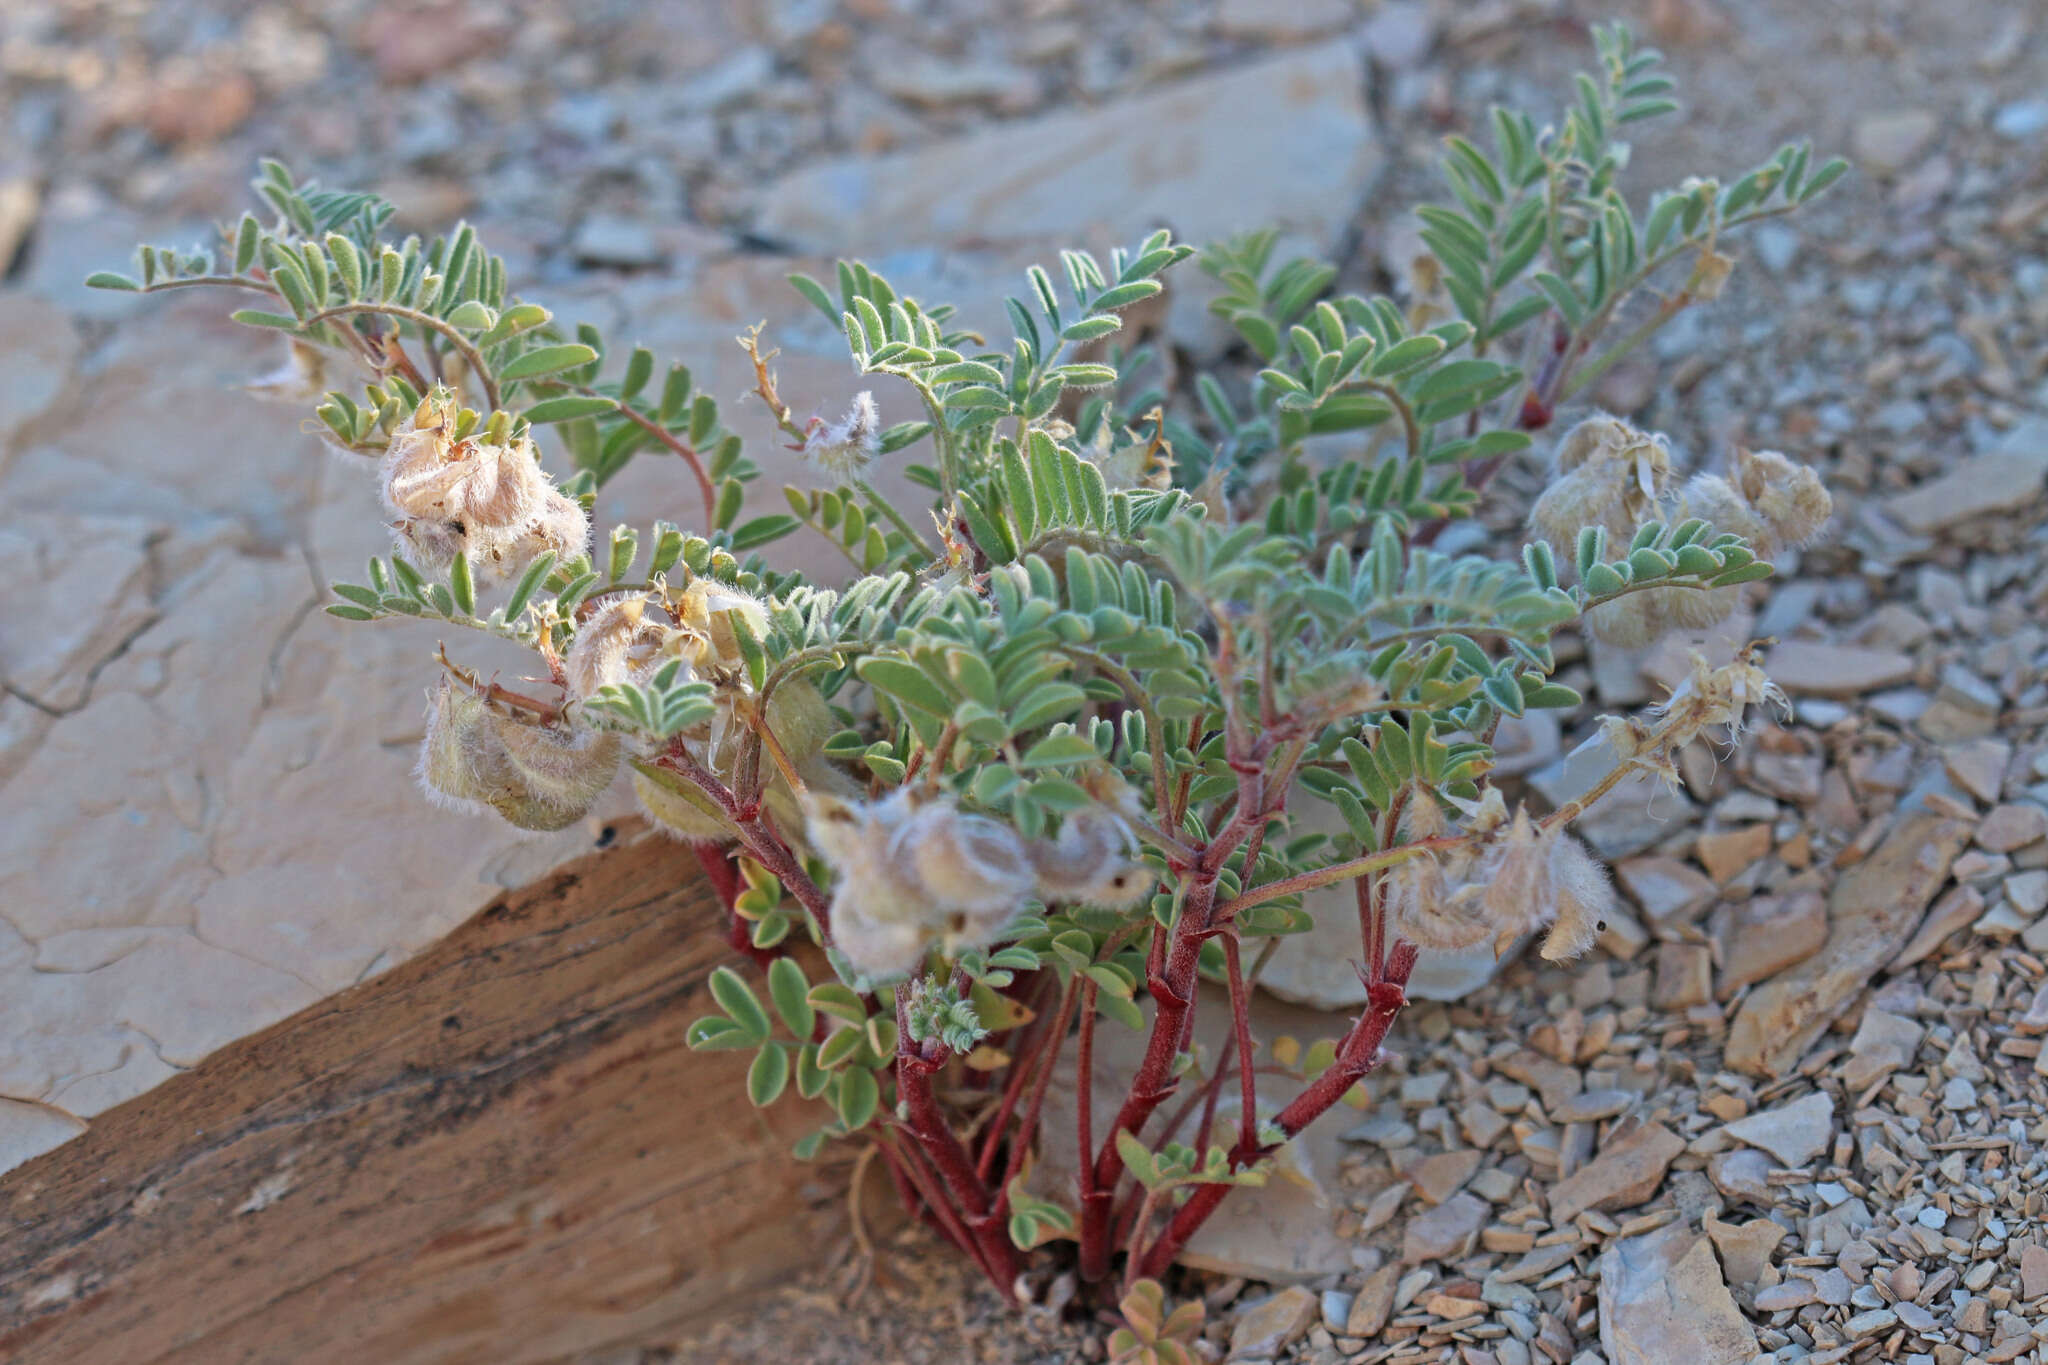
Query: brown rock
(1762, 937)
(1375, 1302)
(1685, 976)
(1872, 912)
(1745, 1247)
(1437, 1178)
(1446, 1232)
(2011, 827)
(1627, 1172)
(1273, 1324)
(1958, 908)
(2033, 1271)
(1663, 1302)
(1725, 853)
(1811, 668)
(1669, 891)
(199, 108)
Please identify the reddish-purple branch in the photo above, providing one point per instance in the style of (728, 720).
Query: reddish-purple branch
(1356, 1057)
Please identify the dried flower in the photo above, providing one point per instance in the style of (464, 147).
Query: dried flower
(1709, 697)
(1789, 497)
(844, 449)
(619, 643)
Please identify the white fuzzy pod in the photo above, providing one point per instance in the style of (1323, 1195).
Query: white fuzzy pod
(965, 863)
(569, 768)
(1092, 861)
(1583, 897)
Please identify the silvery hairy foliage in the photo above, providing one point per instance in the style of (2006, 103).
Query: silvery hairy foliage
(1028, 768)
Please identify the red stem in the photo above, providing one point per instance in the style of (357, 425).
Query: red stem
(1241, 1024)
(1356, 1057)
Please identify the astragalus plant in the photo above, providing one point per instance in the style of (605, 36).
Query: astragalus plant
(1029, 769)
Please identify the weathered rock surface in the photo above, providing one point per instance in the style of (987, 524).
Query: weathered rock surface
(1195, 156)
(1872, 911)
(1663, 1302)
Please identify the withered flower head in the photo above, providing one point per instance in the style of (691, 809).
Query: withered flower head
(844, 449)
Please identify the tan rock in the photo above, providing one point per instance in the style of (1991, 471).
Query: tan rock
(1375, 1302)
(1668, 890)
(1745, 1247)
(1271, 1325)
(1872, 912)
(1891, 141)
(1663, 1302)
(2012, 827)
(1763, 936)
(1794, 1133)
(1976, 487)
(1625, 1173)
(1812, 668)
(1958, 908)
(1978, 766)
(1446, 1232)
(1437, 1178)
(1726, 852)
(1179, 155)
(2033, 1270)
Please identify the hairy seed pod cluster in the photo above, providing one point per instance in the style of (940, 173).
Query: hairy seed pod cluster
(1518, 877)
(628, 638)
(1091, 861)
(1610, 474)
(914, 872)
(538, 777)
(491, 502)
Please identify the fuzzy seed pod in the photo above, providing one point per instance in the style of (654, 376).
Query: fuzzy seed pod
(1514, 887)
(1578, 886)
(799, 719)
(1091, 862)
(463, 765)
(679, 816)
(1715, 501)
(967, 863)
(570, 768)
(877, 946)
(1789, 497)
(1627, 622)
(1431, 901)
